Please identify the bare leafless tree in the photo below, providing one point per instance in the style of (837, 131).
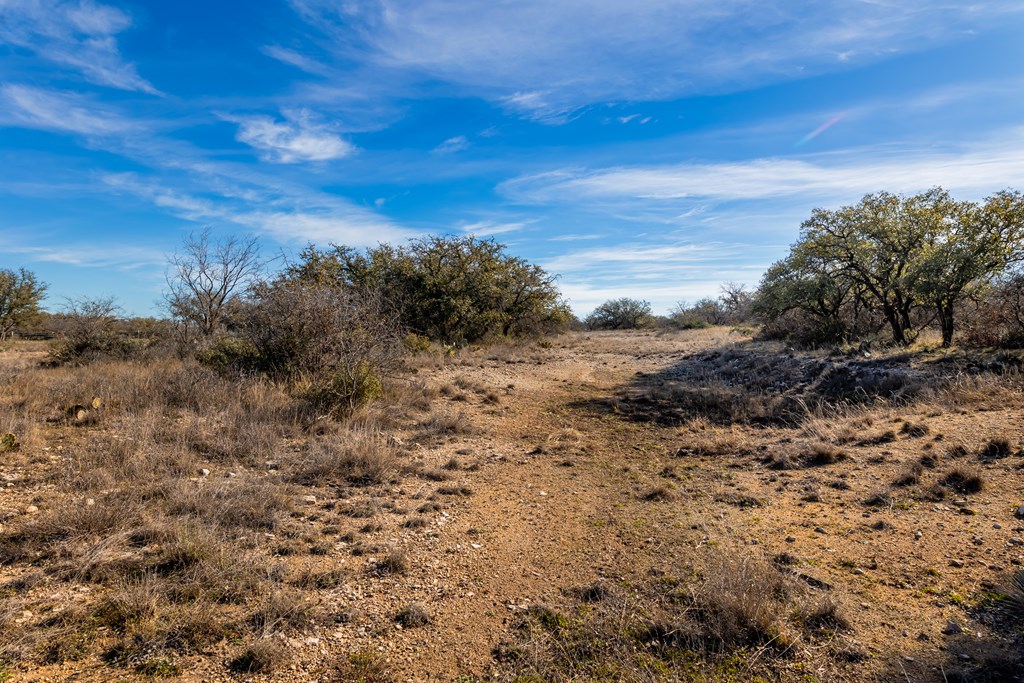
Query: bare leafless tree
(204, 278)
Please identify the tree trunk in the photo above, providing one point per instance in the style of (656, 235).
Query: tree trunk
(899, 335)
(945, 310)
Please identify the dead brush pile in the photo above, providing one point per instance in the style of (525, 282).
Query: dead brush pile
(156, 534)
(738, 618)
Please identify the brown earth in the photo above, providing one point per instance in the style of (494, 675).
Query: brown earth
(560, 489)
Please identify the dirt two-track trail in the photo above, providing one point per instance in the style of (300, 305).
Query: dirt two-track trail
(557, 503)
(545, 515)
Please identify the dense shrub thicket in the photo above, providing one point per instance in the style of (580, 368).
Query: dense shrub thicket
(332, 344)
(621, 314)
(451, 289)
(336, 321)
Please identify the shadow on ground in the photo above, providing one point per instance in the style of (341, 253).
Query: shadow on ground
(762, 384)
(967, 655)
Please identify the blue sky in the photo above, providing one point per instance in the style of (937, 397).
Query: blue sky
(646, 149)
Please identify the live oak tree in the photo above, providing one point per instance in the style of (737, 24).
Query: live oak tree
(21, 292)
(898, 255)
(972, 243)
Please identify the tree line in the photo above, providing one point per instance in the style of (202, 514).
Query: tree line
(890, 265)
(884, 268)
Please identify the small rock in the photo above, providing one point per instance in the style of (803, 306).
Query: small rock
(858, 571)
(918, 535)
(978, 540)
(204, 472)
(31, 509)
(1016, 541)
(89, 502)
(790, 539)
(1019, 514)
(311, 500)
(819, 530)
(231, 475)
(952, 629)
(956, 563)
(960, 503)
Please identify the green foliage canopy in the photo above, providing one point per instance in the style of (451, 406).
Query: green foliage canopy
(895, 255)
(451, 289)
(20, 295)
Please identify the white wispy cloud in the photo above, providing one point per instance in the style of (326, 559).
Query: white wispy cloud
(52, 110)
(977, 168)
(547, 58)
(487, 228)
(89, 255)
(294, 218)
(452, 145)
(296, 139)
(296, 59)
(81, 35)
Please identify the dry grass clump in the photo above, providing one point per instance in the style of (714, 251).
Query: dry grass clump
(964, 480)
(262, 656)
(816, 454)
(413, 615)
(915, 430)
(739, 619)
(395, 561)
(448, 424)
(819, 454)
(999, 447)
(361, 457)
(659, 493)
(910, 476)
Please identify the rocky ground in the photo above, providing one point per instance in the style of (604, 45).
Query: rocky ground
(599, 462)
